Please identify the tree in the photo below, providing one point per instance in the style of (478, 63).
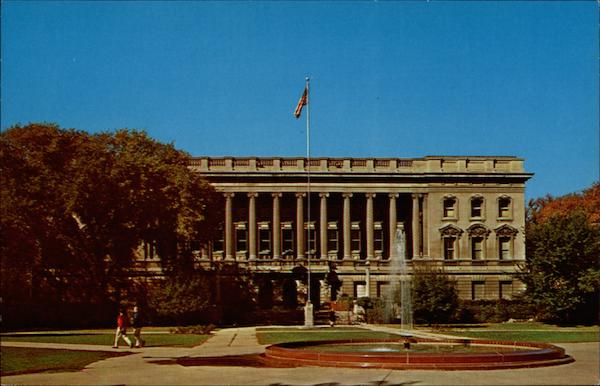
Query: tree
(182, 297)
(561, 271)
(434, 296)
(76, 207)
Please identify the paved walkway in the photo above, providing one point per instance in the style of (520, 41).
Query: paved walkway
(142, 368)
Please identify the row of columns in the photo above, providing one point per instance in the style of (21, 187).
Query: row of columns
(418, 208)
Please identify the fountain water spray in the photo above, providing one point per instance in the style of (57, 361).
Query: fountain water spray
(400, 279)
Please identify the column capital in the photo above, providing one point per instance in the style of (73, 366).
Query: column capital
(276, 195)
(252, 194)
(416, 195)
(370, 195)
(393, 195)
(323, 194)
(346, 195)
(300, 195)
(228, 194)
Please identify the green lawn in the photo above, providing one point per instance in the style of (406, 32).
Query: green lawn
(548, 336)
(106, 339)
(282, 335)
(19, 360)
(531, 332)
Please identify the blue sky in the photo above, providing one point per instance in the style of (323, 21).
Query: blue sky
(389, 79)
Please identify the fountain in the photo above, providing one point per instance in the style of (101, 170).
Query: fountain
(421, 353)
(408, 351)
(400, 281)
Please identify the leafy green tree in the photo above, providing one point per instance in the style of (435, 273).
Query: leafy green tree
(562, 273)
(181, 298)
(434, 296)
(76, 207)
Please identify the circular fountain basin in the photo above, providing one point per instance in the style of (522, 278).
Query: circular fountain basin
(418, 353)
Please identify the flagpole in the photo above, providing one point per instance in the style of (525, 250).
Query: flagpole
(308, 315)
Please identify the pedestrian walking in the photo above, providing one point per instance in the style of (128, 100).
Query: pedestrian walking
(121, 332)
(137, 322)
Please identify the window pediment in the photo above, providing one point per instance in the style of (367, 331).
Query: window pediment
(506, 230)
(478, 230)
(451, 230)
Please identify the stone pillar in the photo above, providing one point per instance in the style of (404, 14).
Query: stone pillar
(229, 226)
(416, 225)
(252, 224)
(276, 231)
(347, 224)
(425, 226)
(369, 223)
(323, 225)
(392, 224)
(300, 225)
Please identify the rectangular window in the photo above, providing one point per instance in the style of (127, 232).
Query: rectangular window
(504, 248)
(477, 290)
(477, 248)
(476, 205)
(218, 244)
(241, 237)
(506, 288)
(504, 208)
(355, 237)
(449, 248)
(360, 289)
(287, 239)
(378, 237)
(311, 238)
(332, 240)
(449, 207)
(264, 239)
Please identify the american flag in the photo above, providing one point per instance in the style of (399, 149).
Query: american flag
(302, 102)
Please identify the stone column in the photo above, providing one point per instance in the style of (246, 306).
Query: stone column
(252, 224)
(323, 224)
(347, 224)
(300, 225)
(276, 231)
(416, 225)
(229, 226)
(392, 224)
(425, 226)
(369, 224)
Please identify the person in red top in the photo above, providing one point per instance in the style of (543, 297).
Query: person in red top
(122, 329)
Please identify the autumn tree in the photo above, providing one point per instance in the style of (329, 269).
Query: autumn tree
(563, 246)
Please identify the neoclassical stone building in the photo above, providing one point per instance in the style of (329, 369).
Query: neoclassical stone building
(465, 214)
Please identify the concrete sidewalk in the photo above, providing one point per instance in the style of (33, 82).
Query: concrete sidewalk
(142, 368)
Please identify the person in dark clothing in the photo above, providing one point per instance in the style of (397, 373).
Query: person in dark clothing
(137, 323)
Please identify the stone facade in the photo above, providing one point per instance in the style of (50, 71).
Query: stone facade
(465, 214)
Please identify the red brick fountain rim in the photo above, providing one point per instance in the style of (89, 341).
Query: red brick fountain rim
(530, 355)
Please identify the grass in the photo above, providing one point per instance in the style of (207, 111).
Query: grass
(107, 339)
(283, 335)
(20, 360)
(530, 332)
